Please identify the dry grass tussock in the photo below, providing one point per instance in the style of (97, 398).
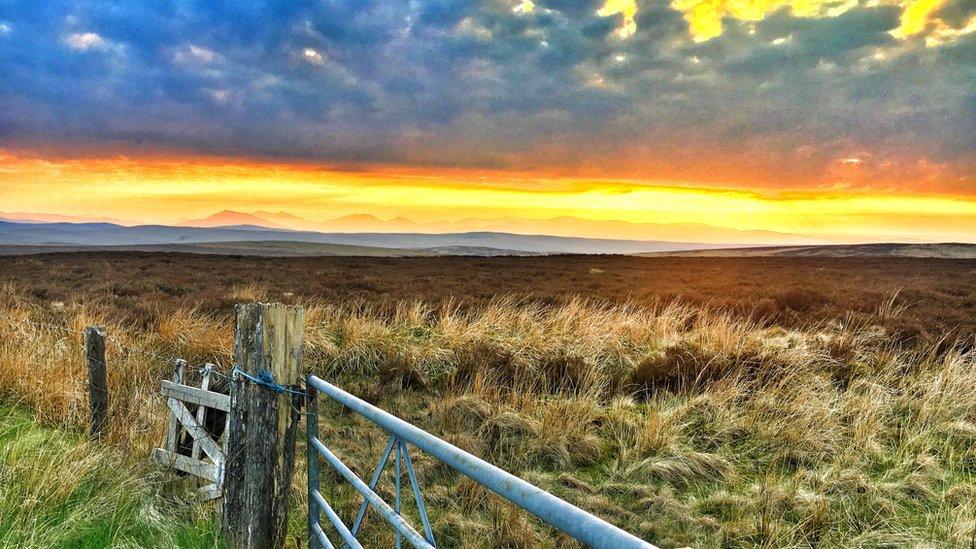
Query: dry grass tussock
(685, 426)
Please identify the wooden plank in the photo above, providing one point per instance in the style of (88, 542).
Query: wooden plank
(211, 491)
(264, 425)
(197, 396)
(190, 424)
(97, 380)
(186, 464)
(173, 429)
(202, 410)
(225, 438)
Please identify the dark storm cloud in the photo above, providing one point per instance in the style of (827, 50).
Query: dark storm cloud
(956, 12)
(479, 83)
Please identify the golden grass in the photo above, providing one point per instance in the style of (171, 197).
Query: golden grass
(685, 426)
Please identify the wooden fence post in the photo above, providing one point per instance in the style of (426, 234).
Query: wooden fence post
(97, 380)
(264, 424)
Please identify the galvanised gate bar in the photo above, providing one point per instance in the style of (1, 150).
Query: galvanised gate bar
(570, 519)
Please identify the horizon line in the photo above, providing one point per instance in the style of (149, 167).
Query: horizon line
(801, 240)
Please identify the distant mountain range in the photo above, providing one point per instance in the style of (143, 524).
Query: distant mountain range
(228, 218)
(24, 217)
(268, 234)
(558, 226)
(246, 238)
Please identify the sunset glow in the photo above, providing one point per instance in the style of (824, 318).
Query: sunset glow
(849, 121)
(174, 190)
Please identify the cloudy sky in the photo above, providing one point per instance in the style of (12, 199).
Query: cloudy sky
(776, 114)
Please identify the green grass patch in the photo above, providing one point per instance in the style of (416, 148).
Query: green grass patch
(59, 490)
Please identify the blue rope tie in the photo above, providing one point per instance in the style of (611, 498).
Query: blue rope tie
(266, 379)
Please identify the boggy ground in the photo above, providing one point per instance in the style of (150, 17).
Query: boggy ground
(938, 296)
(685, 421)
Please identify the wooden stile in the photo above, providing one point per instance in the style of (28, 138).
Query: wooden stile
(199, 435)
(188, 465)
(193, 395)
(180, 419)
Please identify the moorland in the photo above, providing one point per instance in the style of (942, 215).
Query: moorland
(938, 296)
(712, 402)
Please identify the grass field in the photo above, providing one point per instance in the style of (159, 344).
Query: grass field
(58, 490)
(837, 414)
(938, 296)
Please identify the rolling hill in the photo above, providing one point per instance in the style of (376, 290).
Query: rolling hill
(243, 238)
(269, 248)
(246, 234)
(567, 226)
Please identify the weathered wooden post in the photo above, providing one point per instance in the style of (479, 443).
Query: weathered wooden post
(97, 380)
(264, 422)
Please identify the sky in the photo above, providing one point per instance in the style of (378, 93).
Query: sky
(848, 118)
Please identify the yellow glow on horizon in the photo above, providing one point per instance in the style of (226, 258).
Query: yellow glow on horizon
(173, 190)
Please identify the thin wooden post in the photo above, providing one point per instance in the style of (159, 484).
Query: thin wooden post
(173, 430)
(97, 380)
(202, 410)
(264, 423)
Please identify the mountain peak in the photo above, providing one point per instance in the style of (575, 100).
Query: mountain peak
(229, 218)
(357, 217)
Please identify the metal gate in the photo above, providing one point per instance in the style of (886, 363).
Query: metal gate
(576, 522)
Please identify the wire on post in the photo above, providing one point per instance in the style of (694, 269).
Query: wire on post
(266, 379)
